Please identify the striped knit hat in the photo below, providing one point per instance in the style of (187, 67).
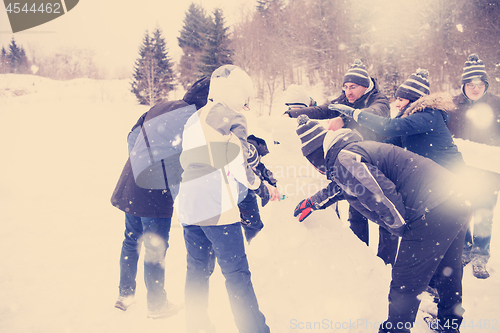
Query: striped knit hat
(357, 74)
(474, 69)
(416, 86)
(312, 134)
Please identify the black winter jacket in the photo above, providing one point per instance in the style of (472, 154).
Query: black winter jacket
(477, 121)
(389, 185)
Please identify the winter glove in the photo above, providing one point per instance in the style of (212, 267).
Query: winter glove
(304, 208)
(343, 109)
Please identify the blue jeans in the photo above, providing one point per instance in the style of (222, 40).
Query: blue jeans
(154, 233)
(224, 242)
(477, 244)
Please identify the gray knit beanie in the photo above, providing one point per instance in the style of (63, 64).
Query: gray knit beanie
(312, 134)
(357, 74)
(474, 69)
(416, 86)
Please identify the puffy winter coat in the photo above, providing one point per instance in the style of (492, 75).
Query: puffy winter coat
(421, 128)
(389, 185)
(372, 101)
(215, 152)
(477, 121)
(143, 188)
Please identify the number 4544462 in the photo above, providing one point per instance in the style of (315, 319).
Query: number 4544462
(49, 8)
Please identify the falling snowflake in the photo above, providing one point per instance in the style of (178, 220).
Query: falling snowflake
(177, 140)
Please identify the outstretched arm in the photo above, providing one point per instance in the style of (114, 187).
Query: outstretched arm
(416, 123)
(320, 200)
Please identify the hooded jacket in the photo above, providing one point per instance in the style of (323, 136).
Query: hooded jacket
(372, 101)
(389, 185)
(477, 121)
(215, 151)
(421, 128)
(154, 132)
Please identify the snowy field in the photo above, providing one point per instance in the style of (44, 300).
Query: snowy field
(63, 148)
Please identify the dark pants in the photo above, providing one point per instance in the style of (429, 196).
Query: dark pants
(250, 216)
(224, 242)
(154, 233)
(387, 244)
(430, 248)
(477, 242)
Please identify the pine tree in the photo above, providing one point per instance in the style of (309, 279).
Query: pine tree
(192, 40)
(217, 51)
(153, 74)
(164, 64)
(17, 59)
(4, 63)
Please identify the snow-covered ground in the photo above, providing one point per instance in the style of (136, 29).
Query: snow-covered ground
(63, 148)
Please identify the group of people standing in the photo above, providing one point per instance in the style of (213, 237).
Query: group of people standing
(196, 155)
(410, 198)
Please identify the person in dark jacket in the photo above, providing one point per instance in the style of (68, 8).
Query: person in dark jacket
(249, 208)
(148, 209)
(421, 124)
(360, 91)
(477, 118)
(413, 198)
(420, 127)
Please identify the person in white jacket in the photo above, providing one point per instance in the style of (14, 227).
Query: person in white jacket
(216, 178)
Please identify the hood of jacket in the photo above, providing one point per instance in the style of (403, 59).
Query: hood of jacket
(438, 101)
(230, 86)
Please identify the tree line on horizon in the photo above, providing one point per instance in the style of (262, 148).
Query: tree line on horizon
(283, 42)
(280, 42)
(70, 63)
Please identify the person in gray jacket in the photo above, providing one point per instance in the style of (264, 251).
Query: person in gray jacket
(409, 195)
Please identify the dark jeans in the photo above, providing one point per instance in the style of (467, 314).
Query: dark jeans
(387, 244)
(224, 242)
(477, 243)
(430, 248)
(154, 233)
(250, 216)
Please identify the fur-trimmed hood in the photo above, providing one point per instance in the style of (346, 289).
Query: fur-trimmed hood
(437, 101)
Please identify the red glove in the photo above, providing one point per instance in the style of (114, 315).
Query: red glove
(304, 208)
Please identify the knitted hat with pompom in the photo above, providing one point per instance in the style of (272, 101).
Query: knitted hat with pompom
(312, 134)
(474, 69)
(416, 86)
(357, 74)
